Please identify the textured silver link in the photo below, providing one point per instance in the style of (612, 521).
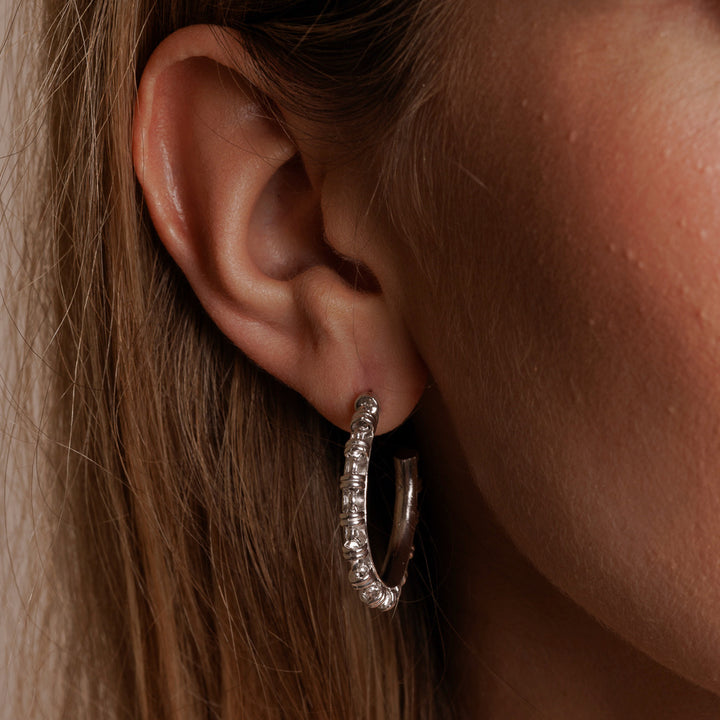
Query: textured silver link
(363, 574)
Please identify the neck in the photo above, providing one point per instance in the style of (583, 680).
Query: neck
(516, 648)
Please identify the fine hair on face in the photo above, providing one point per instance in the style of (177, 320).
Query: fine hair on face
(193, 513)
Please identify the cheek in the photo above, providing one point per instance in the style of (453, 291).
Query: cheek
(628, 361)
(600, 447)
(628, 244)
(629, 247)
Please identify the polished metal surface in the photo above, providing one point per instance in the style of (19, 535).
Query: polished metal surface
(380, 592)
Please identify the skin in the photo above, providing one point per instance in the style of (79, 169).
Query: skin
(574, 494)
(586, 311)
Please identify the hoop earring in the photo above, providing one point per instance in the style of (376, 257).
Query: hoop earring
(378, 590)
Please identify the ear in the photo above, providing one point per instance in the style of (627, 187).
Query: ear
(229, 194)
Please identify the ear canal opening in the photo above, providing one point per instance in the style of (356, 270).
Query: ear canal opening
(358, 276)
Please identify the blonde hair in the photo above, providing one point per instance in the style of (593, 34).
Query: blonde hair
(196, 496)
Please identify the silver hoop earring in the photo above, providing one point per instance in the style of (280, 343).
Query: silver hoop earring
(378, 590)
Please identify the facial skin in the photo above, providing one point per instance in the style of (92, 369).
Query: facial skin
(585, 307)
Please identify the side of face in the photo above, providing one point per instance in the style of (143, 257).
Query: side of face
(582, 303)
(571, 314)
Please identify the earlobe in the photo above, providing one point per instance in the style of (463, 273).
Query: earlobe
(229, 195)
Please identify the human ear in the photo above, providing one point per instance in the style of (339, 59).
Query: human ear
(229, 195)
